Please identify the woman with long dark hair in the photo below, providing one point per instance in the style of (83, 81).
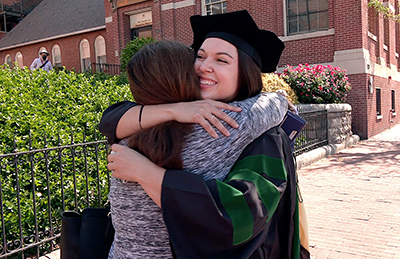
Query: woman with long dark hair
(220, 65)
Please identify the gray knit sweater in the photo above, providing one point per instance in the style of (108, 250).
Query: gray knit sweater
(140, 231)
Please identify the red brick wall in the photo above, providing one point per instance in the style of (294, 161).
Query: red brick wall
(182, 23)
(312, 51)
(376, 125)
(118, 31)
(360, 101)
(69, 46)
(348, 24)
(112, 39)
(365, 121)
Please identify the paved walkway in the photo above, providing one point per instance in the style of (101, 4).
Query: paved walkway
(353, 200)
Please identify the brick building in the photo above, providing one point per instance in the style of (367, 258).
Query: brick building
(342, 33)
(73, 32)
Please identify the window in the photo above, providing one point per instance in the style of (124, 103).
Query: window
(100, 48)
(140, 32)
(56, 55)
(8, 60)
(19, 59)
(386, 32)
(141, 25)
(305, 16)
(373, 21)
(378, 102)
(393, 101)
(214, 7)
(85, 54)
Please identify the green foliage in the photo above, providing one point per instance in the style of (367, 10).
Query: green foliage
(272, 83)
(385, 10)
(131, 48)
(317, 84)
(53, 102)
(40, 103)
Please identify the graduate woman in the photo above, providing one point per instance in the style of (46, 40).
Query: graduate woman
(252, 213)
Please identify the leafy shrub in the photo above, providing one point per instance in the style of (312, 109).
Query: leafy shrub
(317, 84)
(272, 82)
(53, 102)
(131, 48)
(40, 103)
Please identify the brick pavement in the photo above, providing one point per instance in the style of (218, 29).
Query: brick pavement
(353, 200)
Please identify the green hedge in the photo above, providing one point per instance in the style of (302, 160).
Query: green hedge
(50, 104)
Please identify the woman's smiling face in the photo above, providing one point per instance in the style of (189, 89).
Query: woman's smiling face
(217, 66)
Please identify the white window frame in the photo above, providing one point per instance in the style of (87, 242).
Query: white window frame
(54, 55)
(17, 55)
(285, 22)
(100, 50)
(8, 56)
(204, 6)
(82, 56)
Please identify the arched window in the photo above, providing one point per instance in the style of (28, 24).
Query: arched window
(100, 48)
(19, 59)
(84, 49)
(56, 55)
(8, 60)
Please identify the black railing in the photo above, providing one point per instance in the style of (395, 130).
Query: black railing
(111, 69)
(37, 185)
(314, 133)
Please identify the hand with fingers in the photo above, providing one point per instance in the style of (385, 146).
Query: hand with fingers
(207, 113)
(128, 164)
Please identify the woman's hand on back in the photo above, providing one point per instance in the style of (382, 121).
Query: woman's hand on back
(127, 164)
(207, 113)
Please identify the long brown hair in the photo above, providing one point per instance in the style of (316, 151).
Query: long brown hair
(163, 72)
(250, 81)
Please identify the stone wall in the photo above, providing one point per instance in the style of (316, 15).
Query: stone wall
(339, 120)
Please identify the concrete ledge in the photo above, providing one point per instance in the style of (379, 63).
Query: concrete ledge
(314, 155)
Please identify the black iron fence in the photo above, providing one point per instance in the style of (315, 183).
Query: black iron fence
(38, 184)
(314, 133)
(111, 69)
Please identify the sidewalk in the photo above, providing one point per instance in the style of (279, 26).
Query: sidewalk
(353, 200)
